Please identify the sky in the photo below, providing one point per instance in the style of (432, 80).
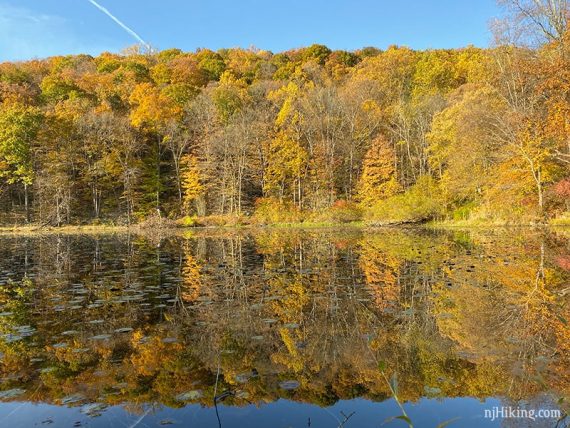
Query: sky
(41, 28)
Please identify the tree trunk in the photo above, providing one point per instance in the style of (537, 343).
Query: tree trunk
(26, 203)
(158, 175)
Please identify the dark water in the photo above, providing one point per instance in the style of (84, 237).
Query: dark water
(292, 328)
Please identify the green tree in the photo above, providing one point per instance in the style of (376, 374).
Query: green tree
(19, 127)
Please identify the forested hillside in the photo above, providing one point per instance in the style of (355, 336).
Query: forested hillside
(307, 134)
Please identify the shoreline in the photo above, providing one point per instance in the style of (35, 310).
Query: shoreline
(36, 230)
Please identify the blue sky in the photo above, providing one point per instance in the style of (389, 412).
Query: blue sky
(40, 28)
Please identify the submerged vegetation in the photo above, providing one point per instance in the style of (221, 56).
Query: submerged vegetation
(314, 135)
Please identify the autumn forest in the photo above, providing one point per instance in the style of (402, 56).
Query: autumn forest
(308, 135)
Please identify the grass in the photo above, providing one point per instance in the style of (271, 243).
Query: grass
(314, 224)
(482, 223)
(474, 222)
(244, 223)
(106, 229)
(32, 229)
(563, 220)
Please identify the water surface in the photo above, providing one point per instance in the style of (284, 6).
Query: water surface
(284, 328)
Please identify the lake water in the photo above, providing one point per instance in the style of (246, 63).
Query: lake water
(285, 328)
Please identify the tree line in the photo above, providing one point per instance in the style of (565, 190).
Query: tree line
(307, 134)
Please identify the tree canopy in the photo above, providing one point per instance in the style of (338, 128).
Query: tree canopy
(221, 133)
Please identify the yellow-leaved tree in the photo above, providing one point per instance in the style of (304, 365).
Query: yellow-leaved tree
(191, 181)
(285, 162)
(378, 178)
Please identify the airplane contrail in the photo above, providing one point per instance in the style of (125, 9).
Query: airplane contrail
(118, 21)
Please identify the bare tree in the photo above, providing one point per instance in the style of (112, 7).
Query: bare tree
(532, 22)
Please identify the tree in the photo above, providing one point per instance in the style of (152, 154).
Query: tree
(309, 129)
(534, 152)
(124, 161)
(19, 127)
(534, 21)
(151, 112)
(56, 174)
(192, 186)
(377, 180)
(94, 149)
(211, 63)
(285, 162)
(318, 53)
(469, 121)
(363, 117)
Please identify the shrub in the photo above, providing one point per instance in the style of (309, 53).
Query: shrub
(272, 210)
(563, 262)
(464, 211)
(341, 212)
(421, 202)
(187, 221)
(562, 188)
(221, 220)
(157, 222)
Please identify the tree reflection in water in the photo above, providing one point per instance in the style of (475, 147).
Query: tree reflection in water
(251, 317)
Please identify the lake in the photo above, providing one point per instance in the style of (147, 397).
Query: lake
(286, 328)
